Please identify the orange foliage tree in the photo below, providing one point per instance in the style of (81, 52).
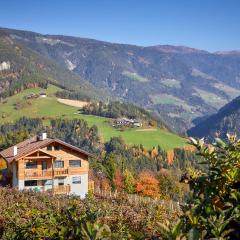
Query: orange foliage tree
(147, 184)
(170, 156)
(105, 185)
(2, 164)
(118, 181)
(154, 152)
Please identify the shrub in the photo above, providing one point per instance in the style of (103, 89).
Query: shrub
(213, 208)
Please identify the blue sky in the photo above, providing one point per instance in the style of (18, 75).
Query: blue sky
(206, 24)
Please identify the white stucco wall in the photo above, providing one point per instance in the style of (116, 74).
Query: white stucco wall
(21, 184)
(80, 189)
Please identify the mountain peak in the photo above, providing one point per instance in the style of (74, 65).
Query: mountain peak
(177, 49)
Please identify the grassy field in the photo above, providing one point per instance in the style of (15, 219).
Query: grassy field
(210, 98)
(230, 91)
(171, 83)
(135, 76)
(49, 107)
(170, 99)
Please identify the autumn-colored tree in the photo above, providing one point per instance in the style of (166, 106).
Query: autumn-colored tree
(147, 184)
(145, 151)
(118, 181)
(169, 184)
(170, 157)
(2, 164)
(154, 152)
(105, 185)
(129, 181)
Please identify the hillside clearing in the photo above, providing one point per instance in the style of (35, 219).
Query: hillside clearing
(210, 98)
(146, 130)
(73, 103)
(135, 76)
(49, 108)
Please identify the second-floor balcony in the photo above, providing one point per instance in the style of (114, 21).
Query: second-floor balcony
(42, 174)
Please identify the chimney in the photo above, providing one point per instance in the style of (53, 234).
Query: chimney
(44, 136)
(15, 150)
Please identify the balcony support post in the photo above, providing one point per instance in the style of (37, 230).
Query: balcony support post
(52, 176)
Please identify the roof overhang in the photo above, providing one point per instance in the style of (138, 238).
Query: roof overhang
(34, 151)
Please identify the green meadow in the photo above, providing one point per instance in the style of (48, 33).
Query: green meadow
(49, 107)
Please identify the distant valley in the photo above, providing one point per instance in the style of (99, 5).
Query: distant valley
(225, 121)
(179, 84)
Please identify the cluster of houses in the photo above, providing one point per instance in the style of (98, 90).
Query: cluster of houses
(126, 122)
(34, 95)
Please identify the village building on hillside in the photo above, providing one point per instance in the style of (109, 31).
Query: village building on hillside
(127, 122)
(43, 95)
(46, 164)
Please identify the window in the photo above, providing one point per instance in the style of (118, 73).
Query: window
(57, 147)
(49, 147)
(59, 164)
(44, 165)
(60, 181)
(46, 182)
(30, 183)
(76, 180)
(31, 164)
(74, 163)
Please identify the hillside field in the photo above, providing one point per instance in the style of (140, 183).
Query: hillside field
(49, 108)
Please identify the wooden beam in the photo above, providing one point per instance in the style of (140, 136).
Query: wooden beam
(52, 177)
(38, 157)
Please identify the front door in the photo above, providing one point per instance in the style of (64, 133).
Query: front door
(44, 165)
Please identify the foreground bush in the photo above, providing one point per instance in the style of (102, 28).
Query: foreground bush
(28, 215)
(213, 209)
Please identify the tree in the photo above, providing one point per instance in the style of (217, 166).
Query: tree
(109, 163)
(169, 185)
(147, 184)
(129, 181)
(118, 181)
(170, 156)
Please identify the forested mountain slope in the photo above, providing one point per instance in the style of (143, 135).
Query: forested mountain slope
(21, 68)
(179, 83)
(226, 120)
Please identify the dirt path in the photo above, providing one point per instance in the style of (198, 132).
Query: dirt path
(73, 103)
(146, 130)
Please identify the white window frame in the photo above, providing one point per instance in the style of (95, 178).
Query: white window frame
(78, 181)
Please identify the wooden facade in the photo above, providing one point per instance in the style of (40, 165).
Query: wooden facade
(56, 167)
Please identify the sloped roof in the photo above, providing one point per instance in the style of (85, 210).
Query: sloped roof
(33, 144)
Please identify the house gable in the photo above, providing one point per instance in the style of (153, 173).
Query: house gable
(33, 144)
(37, 154)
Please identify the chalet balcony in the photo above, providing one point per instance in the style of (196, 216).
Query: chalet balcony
(45, 174)
(61, 172)
(37, 174)
(63, 189)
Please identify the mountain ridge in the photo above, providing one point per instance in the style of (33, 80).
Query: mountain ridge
(177, 82)
(226, 120)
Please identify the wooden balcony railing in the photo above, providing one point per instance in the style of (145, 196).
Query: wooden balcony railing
(63, 189)
(60, 172)
(31, 174)
(40, 174)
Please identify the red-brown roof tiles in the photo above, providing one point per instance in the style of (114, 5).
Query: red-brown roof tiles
(32, 144)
